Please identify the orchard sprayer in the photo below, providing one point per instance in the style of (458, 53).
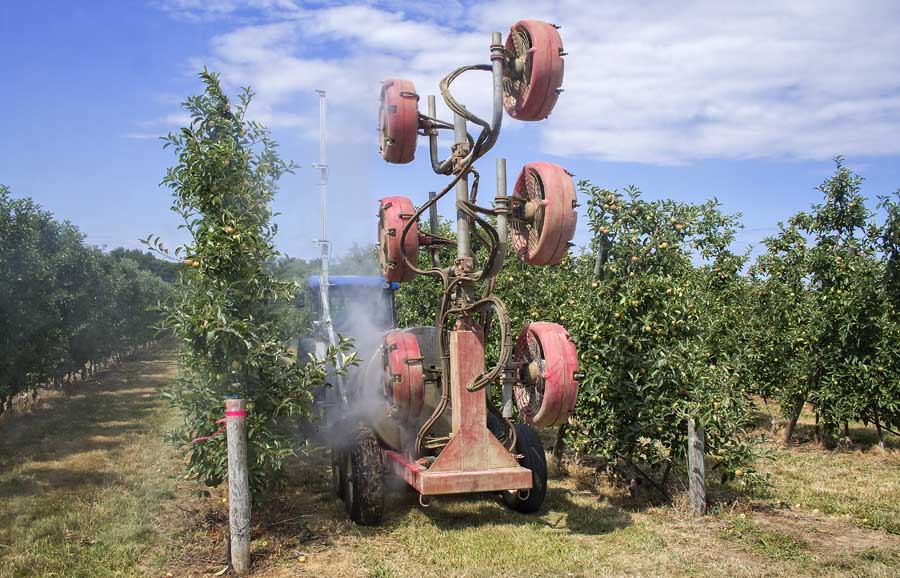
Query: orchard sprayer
(434, 423)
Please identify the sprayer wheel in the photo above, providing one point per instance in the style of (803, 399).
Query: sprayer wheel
(364, 497)
(529, 445)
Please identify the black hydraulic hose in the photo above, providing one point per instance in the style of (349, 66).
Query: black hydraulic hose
(487, 304)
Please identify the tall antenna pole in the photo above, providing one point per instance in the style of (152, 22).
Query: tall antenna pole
(325, 245)
(323, 174)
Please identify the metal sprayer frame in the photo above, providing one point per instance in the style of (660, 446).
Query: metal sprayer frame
(472, 459)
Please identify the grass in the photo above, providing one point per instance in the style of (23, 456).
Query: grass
(87, 488)
(773, 544)
(82, 477)
(860, 484)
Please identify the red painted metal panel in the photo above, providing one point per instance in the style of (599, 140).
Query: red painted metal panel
(473, 460)
(535, 99)
(557, 208)
(556, 397)
(398, 120)
(393, 214)
(404, 368)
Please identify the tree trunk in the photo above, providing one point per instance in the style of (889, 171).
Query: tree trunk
(818, 433)
(792, 424)
(880, 433)
(847, 440)
(559, 448)
(665, 476)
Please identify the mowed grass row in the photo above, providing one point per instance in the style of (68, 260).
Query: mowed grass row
(82, 476)
(827, 514)
(89, 488)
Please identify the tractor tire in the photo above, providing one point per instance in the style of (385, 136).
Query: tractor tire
(496, 426)
(529, 445)
(338, 473)
(365, 488)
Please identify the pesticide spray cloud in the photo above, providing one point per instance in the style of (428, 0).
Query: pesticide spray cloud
(365, 317)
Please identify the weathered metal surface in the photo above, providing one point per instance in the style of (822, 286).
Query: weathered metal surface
(547, 389)
(473, 460)
(398, 120)
(405, 383)
(393, 214)
(534, 76)
(430, 483)
(543, 211)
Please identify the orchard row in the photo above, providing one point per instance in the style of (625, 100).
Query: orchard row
(65, 306)
(672, 324)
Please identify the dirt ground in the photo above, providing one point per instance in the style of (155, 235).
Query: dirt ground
(89, 488)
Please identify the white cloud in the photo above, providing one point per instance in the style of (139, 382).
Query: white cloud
(673, 83)
(204, 10)
(655, 82)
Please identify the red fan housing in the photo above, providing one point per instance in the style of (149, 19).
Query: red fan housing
(393, 214)
(543, 213)
(534, 70)
(404, 375)
(546, 388)
(398, 120)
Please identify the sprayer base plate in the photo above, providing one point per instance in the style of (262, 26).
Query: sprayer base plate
(431, 483)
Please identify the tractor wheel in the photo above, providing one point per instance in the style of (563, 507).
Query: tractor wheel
(533, 458)
(496, 426)
(364, 494)
(338, 474)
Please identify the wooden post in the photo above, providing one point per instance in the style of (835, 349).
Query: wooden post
(238, 484)
(696, 467)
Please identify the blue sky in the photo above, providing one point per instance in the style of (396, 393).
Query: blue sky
(685, 100)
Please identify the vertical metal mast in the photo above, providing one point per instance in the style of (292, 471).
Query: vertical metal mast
(325, 245)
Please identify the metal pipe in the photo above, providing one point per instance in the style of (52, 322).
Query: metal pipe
(507, 395)
(325, 245)
(463, 229)
(433, 137)
(433, 226)
(501, 204)
(498, 59)
(323, 166)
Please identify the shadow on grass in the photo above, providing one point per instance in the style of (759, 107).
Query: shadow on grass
(562, 510)
(863, 438)
(308, 501)
(46, 451)
(64, 425)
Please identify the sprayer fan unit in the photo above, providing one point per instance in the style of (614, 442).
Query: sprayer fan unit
(404, 373)
(546, 389)
(534, 70)
(398, 120)
(393, 214)
(543, 213)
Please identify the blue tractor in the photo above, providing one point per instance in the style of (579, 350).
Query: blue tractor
(359, 306)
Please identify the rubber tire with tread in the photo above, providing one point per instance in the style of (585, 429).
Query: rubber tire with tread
(533, 458)
(364, 494)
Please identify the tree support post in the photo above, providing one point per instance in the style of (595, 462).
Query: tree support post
(238, 484)
(696, 467)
